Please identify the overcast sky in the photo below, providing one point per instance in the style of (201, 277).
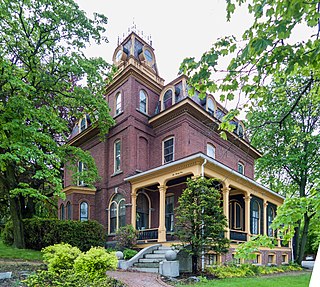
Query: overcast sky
(179, 29)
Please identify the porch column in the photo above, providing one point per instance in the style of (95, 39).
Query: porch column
(134, 208)
(247, 214)
(162, 213)
(265, 217)
(225, 193)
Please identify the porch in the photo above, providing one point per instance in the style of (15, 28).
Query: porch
(248, 206)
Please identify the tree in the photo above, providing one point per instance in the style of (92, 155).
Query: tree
(200, 219)
(46, 84)
(280, 77)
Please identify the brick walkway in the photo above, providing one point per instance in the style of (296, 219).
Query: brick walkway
(138, 279)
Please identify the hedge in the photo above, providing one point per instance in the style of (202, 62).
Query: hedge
(40, 233)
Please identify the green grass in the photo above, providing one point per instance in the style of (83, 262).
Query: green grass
(300, 280)
(7, 252)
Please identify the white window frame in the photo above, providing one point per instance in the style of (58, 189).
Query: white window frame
(83, 168)
(118, 206)
(213, 113)
(118, 103)
(144, 93)
(87, 207)
(173, 150)
(209, 145)
(117, 156)
(242, 165)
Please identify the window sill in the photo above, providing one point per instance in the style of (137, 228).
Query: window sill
(117, 115)
(117, 173)
(141, 112)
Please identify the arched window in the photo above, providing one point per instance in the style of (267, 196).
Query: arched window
(84, 211)
(83, 124)
(255, 217)
(118, 104)
(167, 99)
(210, 106)
(236, 215)
(270, 217)
(62, 214)
(170, 213)
(69, 215)
(211, 151)
(143, 101)
(143, 211)
(117, 213)
(117, 156)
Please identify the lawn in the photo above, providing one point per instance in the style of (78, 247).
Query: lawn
(7, 252)
(300, 280)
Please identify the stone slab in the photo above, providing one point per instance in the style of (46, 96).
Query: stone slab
(169, 268)
(5, 275)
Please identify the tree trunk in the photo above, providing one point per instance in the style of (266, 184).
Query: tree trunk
(295, 241)
(194, 264)
(303, 239)
(16, 216)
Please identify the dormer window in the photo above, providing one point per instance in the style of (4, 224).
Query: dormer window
(119, 55)
(167, 99)
(240, 130)
(118, 104)
(148, 55)
(143, 101)
(83, 124)
(210, 106)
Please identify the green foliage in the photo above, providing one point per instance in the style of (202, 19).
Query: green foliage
(46, 84)
(200, 219)
(249, 270)
(95, 263)
(280, 76)
(68, 266)
(40, 233)
(126, 237)
(68, 278)
(129, 253)
(247, 249)
(60, 257)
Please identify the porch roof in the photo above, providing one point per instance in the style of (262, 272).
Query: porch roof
(204, 157)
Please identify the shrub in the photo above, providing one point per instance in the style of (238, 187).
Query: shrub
(126, 237)
(95, 262)
(60, 257)
(67, 279)
(129, 253)
(40, 233)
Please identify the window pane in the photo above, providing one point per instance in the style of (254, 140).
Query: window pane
(118, 103)
(122, 214)
(168, 150)
(68, 210)
(240, 168)
(83, 124)
(255, 217)
(62, 216)
(143, 102)
(169, 213)
(210, 106)
(113, 217)
(84, 211)
(211, 151)
(167, 99)
(117, 160)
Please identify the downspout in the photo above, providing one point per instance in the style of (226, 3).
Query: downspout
(202, 231)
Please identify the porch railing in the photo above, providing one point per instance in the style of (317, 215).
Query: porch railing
(148, 234)
(238, 235)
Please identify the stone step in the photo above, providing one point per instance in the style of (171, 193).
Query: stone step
(146, 264)
(150, 270)
(166, 248)
(162, 251)
(146, 260)
(155, 256)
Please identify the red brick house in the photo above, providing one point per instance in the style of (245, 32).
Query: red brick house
(163, 136)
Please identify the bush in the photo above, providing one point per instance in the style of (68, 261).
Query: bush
(60, 257)
(126, 237)
(129, 253)
(249, 270)
(40, 233)
(68, 278)
(95, 263)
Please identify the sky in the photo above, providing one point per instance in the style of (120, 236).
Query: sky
(178, 29)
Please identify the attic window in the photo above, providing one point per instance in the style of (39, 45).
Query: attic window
(210, 106)
(167, 99)
(83, 124)
(148, 55)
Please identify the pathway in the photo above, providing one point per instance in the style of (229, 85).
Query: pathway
(138, 279)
